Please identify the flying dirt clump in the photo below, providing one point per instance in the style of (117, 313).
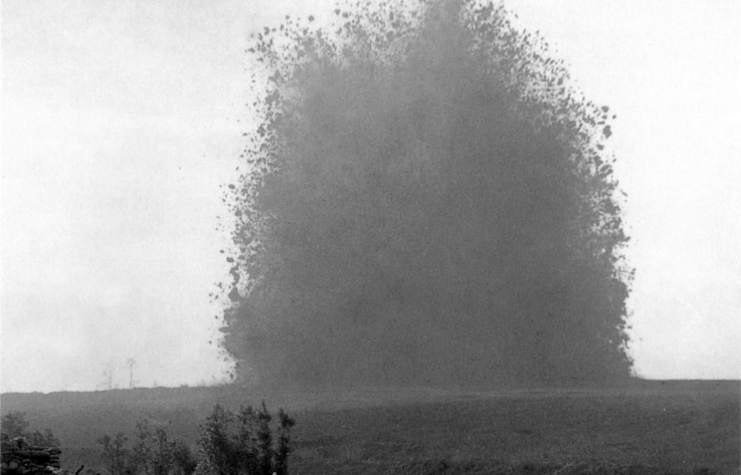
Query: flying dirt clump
(426, 201)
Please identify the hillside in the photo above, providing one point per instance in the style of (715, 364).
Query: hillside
(673, 425)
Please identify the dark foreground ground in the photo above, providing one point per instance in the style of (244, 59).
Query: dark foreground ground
(649, 427)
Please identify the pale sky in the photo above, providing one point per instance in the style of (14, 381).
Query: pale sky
(120, 121)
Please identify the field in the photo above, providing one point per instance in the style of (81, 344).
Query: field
(647, 427)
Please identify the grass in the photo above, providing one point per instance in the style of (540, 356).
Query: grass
(649, 427)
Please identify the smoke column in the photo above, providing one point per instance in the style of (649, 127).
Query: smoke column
(426, 201)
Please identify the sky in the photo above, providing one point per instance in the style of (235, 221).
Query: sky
(120, 119)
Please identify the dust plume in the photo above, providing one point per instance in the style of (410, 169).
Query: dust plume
(426, 201)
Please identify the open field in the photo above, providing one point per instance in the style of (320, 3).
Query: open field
(648, 427)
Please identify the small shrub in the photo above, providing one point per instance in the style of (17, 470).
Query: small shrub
(115, 454)
(229, 444)
(141, 453)
(247, 449)
(14, 424)
(184, 462)
(153, 453)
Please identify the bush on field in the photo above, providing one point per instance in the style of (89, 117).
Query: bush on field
(155, 454)
(115, 454)
(14, 424)
(229, 444)
(242, 444)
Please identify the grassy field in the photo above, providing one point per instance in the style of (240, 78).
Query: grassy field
(648, 427)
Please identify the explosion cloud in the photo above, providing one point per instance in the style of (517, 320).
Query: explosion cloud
(427, 201)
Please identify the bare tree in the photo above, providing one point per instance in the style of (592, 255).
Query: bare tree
(108, 373)
(130, 363)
